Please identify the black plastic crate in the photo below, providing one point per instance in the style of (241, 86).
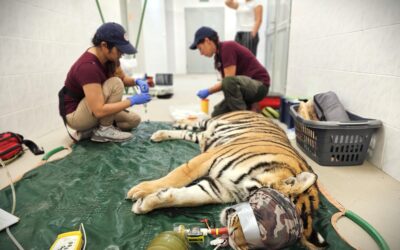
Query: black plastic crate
(334, 143)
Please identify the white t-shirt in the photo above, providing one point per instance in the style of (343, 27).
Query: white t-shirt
(245, 17)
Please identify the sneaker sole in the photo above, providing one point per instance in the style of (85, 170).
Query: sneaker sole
(105, 139)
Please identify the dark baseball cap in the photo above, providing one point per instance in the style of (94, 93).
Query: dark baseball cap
(114, 33)
(202, 33)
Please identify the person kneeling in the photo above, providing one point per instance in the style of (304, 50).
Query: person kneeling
(245, 81)
(91, 99)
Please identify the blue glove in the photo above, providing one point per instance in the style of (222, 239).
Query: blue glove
(203, 93)
(139, 99)
(144, 87)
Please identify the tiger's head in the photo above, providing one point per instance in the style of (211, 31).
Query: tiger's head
(278, 222)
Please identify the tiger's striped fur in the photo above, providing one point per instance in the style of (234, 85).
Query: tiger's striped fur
(241, 152)
(236, 236)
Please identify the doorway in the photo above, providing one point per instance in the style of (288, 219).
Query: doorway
(277, 43)
(194, 19)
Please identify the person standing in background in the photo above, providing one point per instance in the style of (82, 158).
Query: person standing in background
(248, 22)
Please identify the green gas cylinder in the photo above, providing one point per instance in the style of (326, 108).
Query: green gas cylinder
(168, 240)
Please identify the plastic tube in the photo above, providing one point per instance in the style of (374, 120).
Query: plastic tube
(14, 203)
(99, 8)
(368, 228)
(140, 24)
(52, 152)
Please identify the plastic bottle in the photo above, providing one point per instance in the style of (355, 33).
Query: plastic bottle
(204, 105)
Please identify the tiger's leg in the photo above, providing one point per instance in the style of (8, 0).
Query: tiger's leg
(196, 137)
(179, 177)
(188, 135)
(164, 135)
(187, 124)
(199, 194)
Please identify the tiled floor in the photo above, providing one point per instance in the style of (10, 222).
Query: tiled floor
(364, 189)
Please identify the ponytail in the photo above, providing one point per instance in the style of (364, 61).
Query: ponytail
(217, 57)
(109, 65)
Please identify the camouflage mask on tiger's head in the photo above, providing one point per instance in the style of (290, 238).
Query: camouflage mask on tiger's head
(267, 221)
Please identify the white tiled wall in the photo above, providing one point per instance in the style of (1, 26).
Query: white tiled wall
(352, 48)
(39, 41)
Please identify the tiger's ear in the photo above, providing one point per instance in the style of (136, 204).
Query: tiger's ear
(224, 215)
(301, 182)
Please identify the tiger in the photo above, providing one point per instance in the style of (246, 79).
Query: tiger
(241, 151)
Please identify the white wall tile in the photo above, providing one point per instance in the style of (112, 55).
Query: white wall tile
(378, 50)
(393, 103)
(6, 105)
(380, 13)
(15, 122)
(9, 122)
(21, 93)
(331, 16)
(370, 96)
(6, 8)
(376, 147)
(391, 151)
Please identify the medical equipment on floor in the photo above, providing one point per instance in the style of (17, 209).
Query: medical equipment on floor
(195, 233)
(168, 240)
(163, 86)
(160, 86)
(74, 240)
(184, 234)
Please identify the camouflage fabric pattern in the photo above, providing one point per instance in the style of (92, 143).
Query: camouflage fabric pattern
(278, 222)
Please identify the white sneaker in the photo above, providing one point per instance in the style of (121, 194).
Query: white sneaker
(111, 133)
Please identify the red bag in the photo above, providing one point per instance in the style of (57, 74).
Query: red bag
(11, 146)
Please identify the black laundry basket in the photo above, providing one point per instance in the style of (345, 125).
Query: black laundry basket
(334, 143)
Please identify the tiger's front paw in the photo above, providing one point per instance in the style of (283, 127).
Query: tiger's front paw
(141, 206)
(136, 208)
(160, 135)
(141, 190)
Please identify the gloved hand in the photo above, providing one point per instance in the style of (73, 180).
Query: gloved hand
(144, 87)
(203, 93)
(139, 99)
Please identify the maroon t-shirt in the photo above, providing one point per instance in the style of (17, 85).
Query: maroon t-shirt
(87, 69)
(232, 53)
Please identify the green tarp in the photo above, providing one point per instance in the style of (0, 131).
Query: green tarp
(89, 186)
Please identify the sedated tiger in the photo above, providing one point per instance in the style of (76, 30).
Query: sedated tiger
(241, 152)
